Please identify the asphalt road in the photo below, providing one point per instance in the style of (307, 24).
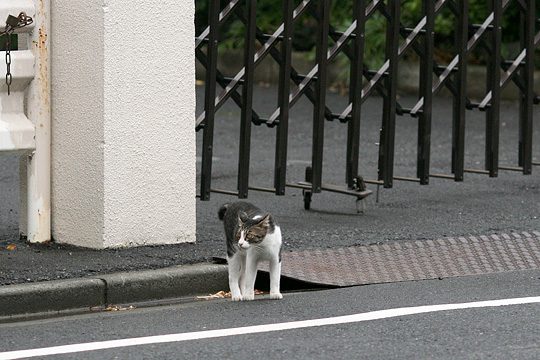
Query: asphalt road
(509, 332)
(477, 206)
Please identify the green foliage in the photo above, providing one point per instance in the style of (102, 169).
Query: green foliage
(269, 18)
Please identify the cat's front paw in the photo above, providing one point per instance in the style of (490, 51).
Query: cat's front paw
(249, 297)
(237, 298)
(276, 296)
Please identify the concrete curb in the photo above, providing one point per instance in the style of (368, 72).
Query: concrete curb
(177, 281)
(51, 296)
(118, 288)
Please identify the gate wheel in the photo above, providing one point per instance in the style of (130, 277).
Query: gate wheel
(307, 199)
(360, 206)
(307, 193)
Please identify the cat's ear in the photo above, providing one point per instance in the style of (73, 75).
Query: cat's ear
(242, 217)
(265, 221)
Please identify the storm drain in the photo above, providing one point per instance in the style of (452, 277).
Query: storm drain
(414, 260)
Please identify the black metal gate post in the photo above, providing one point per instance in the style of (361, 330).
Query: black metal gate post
(209, 96)
(320, 90)
(527, 22)
(386, 149)
(247, 96)
(426, 83)
(460, 95)
(494, 79)
(355, 93)
(280, 170)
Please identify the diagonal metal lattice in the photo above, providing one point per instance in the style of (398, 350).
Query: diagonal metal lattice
(400, 39)
(415, 260)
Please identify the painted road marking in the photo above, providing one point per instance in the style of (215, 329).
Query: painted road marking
(209, 334)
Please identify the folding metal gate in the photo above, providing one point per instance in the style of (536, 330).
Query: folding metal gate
(383, 81)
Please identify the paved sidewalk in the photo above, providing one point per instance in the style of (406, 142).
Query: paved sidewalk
(478, 206)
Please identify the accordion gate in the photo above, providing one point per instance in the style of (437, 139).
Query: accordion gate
(382, 81)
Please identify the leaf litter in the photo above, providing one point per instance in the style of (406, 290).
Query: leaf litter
(223, 295)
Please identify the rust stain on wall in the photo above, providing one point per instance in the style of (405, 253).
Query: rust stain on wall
(43, 59)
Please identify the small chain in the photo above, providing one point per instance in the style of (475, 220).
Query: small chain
(9, 77)
(13, 23)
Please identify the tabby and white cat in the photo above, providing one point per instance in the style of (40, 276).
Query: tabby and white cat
(252, 236)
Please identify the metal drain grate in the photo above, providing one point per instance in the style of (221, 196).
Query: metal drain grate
(414, 260)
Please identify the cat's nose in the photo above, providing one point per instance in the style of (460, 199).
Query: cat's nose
(242, 243)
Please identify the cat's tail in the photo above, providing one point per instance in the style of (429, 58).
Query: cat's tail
(222, 211)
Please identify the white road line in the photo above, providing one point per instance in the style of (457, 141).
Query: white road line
(374, 315)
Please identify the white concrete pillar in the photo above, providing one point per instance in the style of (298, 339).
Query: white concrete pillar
(123, 109)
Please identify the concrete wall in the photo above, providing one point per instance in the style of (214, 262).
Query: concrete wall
(123, 122)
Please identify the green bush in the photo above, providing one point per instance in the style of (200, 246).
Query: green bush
(269, 18)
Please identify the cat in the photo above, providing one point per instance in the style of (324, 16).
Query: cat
(252, 236)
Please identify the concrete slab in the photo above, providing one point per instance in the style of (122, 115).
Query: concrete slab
(413, 261)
